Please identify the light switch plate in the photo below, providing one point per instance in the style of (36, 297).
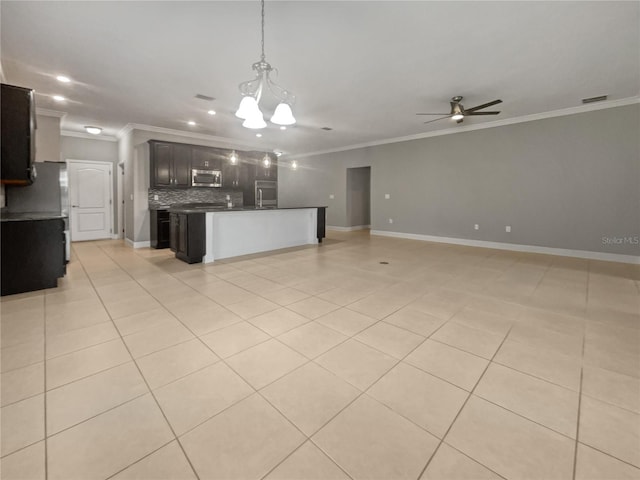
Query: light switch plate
(387, 196)
(507, 229)
(332, 196)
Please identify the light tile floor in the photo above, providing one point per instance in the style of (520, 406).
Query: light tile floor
(321, 362)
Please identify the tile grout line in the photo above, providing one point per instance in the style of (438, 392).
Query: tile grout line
(462, 408)
(575, 453)
(140, 371)
(46, 436)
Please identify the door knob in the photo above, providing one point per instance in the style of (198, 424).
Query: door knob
(75, 206)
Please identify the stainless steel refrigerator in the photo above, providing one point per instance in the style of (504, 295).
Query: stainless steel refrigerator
(49, 193)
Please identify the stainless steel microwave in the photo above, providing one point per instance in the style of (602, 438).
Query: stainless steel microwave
(206, 178)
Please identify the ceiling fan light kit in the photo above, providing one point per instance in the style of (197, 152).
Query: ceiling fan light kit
(252, 90)
(458, 112)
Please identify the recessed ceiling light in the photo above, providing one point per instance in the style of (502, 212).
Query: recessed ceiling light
(63, 79)
(282, 127)
(191, 122)
(59, 98)
(211, 112)
(93, 130)
(258, 135)
(277, 152)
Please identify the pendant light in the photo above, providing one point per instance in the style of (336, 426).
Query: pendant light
(252, 90)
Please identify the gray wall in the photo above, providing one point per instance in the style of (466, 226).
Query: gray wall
(74, 148)
(563, 182)
(359, 196)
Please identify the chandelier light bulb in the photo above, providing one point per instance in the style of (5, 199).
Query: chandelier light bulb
(233, 158)
(294, 165)
(283, 115)
(266, 161)
(255, 122)
(457, 116)
(248, 107)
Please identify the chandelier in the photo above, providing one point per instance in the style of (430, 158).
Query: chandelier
(252, 91)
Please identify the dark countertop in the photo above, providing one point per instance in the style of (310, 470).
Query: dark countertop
(205, 209)
(27, 216)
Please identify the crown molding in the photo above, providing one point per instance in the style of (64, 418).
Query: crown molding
(104, 138)
(50, 113)
(469, 128)
(232, 142)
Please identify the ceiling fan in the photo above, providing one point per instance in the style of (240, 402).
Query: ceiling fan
(458, 112)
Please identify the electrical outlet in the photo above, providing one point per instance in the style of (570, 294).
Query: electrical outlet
(476, 227)
(155, 197)
(507, 229)
(332, 196)
(387, 196)
(391, 220)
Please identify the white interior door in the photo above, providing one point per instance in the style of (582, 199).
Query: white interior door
(90, 189)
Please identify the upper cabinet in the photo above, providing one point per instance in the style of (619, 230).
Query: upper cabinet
(18, 125)
(170, 164)
(206, 158)
(266, 172)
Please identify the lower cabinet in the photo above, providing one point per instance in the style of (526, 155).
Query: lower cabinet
(187, 236)
(160, 226)
(33, 255)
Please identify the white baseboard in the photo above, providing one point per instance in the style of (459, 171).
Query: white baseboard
(608, 257)
(348, 229)
(115, 236)
(138, 244)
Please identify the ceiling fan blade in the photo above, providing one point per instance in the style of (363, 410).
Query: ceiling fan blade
(467, 112)
(432, 114)
(484, 105)
(441, 118)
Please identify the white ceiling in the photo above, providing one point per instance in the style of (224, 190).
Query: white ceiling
(361, 68)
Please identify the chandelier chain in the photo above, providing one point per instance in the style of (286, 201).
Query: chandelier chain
(262, 56)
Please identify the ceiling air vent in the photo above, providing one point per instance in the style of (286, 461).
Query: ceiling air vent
(594, 99)
(205, 97)
(326, 128)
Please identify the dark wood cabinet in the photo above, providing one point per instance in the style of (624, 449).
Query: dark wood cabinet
(160, 226)
(231, 175)
(269, 172)
(33, 255)
(18, 125)
(187, 236)
(170, 164)
(207, 158)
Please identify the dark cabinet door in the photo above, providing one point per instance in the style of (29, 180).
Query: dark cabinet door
(269, 172)
(18, 124)
(248, 183)
(230, 175)
(207, 158)
(182, 165)
(183, 234)
(174, 227)
(161, 164)
(32, 255)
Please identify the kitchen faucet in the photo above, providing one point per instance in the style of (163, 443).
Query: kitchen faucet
(260, 197)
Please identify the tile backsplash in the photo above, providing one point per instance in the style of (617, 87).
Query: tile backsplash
(169, 196)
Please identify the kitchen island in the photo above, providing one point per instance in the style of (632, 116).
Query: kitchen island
(231, 232)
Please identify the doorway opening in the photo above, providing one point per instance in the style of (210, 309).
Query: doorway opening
(359, 198)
